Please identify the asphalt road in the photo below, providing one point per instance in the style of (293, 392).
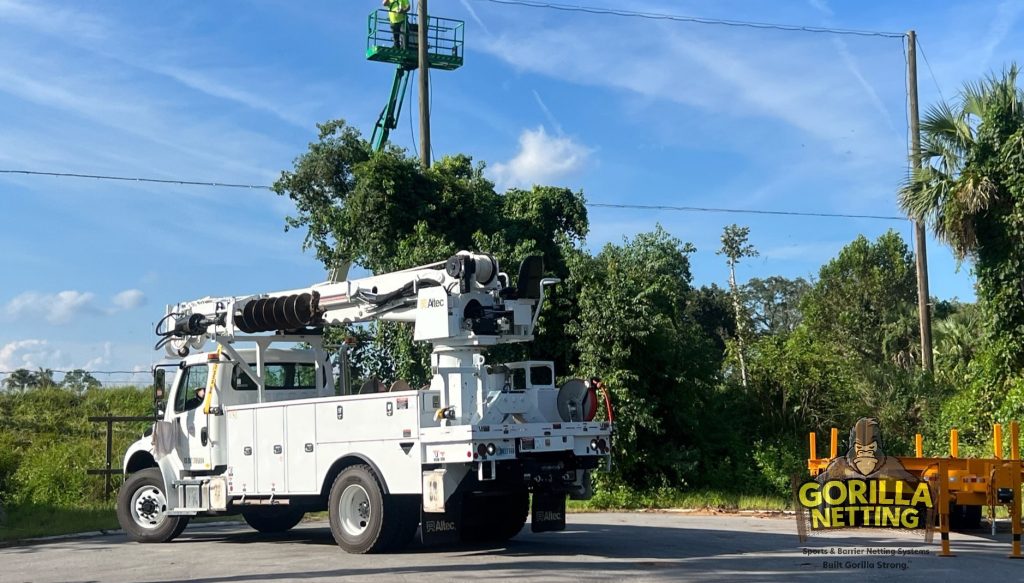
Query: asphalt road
(595, 547)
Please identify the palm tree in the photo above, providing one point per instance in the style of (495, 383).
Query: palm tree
(963, 150)
(20, 379)
(957, 339)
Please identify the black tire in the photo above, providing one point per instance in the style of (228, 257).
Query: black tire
(408, 513)
(273, 520)
(963, 517)
(363, 518)
(141, 508)
(488, 518)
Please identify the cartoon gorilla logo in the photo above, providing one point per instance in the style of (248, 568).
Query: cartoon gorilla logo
(865, 458)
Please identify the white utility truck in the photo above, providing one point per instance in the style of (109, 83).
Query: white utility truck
(259, 425)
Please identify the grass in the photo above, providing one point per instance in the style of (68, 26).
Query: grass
(624, 499)
(35, 521)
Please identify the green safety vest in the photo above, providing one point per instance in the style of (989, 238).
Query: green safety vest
(397, 10)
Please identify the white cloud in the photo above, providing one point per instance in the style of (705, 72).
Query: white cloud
(476, 17)
(21, 354)
(1002, 23)
(541, 159)
(54, 20)
(548, 114)
(102, 359)
(129, 299)
(63, 307)
(58, 308)
(727, 76)
(97, 357)
(214, 85)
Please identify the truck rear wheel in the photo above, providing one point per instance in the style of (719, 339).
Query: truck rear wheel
(363, 518)
(494, 517)
(142, 509)
(274, 519)
(963, 517)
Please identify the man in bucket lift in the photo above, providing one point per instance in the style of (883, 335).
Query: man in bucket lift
(397, 11)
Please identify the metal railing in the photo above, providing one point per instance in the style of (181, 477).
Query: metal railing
(445, 40)
(108, 471)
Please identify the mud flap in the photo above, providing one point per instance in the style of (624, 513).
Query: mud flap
(438, 528)
(548, 511)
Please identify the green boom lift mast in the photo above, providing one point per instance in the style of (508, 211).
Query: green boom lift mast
(445, 38)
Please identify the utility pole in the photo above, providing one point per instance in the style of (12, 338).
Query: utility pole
(424, 25)
(920, 251)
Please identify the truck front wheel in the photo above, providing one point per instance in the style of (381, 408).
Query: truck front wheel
(142, 509)
(363, 518)
(273, 520)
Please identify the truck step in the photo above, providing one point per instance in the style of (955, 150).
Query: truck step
(261, 502)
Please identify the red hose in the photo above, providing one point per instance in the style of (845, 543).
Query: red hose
(607, 403)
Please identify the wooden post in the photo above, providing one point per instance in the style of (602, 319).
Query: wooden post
(919, 445)
(954, 443)
(833, 448)
(920, 244)
(814, 446)
(110, 445)
(424, 53)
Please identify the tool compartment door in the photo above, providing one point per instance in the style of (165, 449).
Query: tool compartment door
(300, 456)
(270, 456)
(241, 451)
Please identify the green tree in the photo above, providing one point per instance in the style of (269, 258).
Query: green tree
(633, 331)
(736, 248)
(774, 303)
(970, 190)
(79, 380)
(862, 303)
(958, 339)
(21, 378)
(43, 377)
(383, 212)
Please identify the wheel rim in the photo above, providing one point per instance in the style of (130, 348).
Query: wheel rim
(149, 507)
(354, 510)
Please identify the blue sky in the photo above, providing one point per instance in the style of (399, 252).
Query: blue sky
(628, 110)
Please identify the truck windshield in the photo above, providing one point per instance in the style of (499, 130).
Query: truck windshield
(278, 377)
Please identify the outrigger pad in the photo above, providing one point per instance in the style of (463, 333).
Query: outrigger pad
(548, 511)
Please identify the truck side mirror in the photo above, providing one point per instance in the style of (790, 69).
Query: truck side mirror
(159, 390)
(159, 384)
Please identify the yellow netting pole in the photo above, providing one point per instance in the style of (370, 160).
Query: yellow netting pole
(943, 476)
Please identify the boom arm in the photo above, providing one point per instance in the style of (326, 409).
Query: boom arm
(464, 301)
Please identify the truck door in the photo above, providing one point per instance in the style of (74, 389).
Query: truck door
(193, 437)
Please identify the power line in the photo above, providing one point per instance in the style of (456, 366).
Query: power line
(930, 72)
(744, 211)
(695, 19)
(132, 179)
(10, 372)
(589, 204)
